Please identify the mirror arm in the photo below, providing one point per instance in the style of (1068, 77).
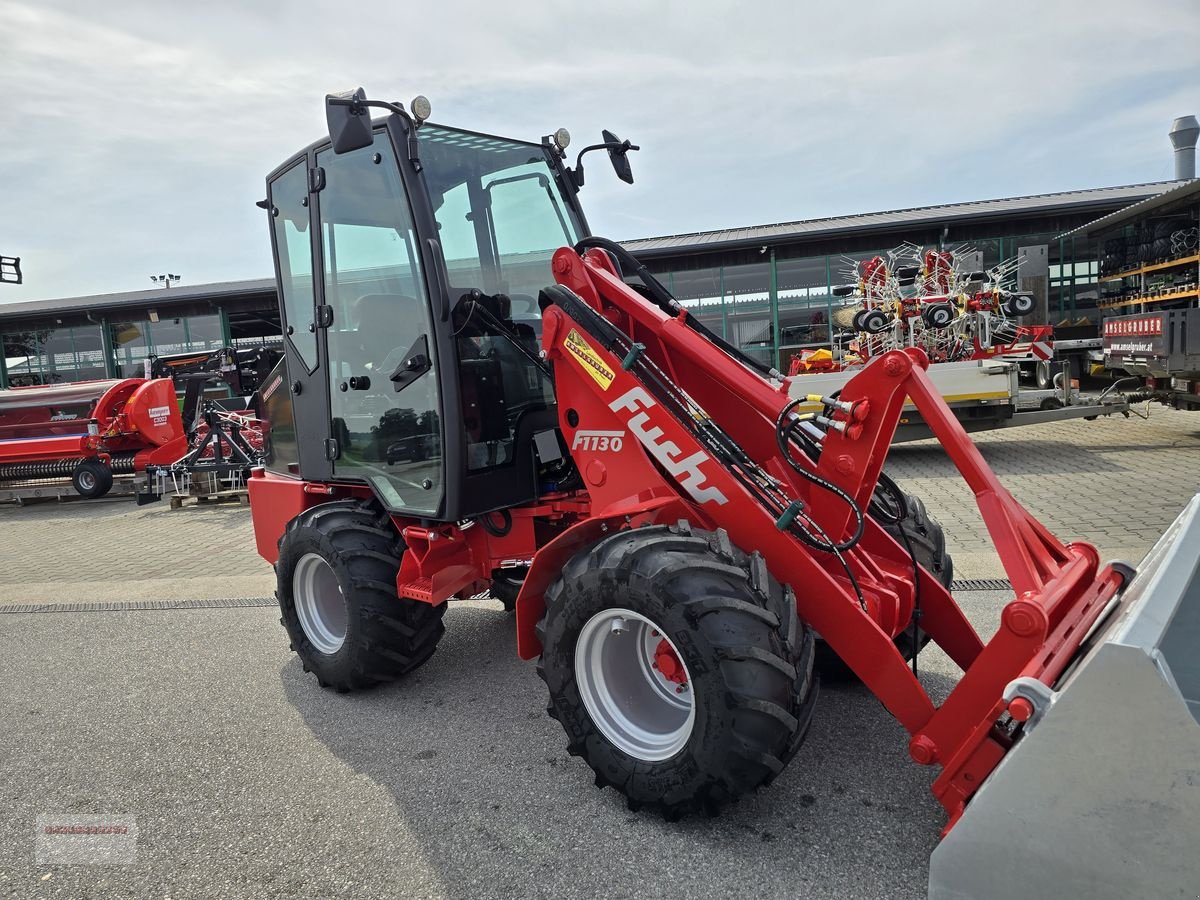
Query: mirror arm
(357, 107)
(616, 146)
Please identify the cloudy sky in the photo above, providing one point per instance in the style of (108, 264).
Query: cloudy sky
(135, 134)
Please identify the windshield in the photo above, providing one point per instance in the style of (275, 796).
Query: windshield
(500, 217)
(500, 213)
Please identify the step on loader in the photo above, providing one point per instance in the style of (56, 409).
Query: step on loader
(482, 395)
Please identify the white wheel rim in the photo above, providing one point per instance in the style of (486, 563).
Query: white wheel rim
(641, 711)
(320, 604)
(87, 480)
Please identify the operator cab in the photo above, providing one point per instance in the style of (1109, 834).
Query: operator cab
(409, 259)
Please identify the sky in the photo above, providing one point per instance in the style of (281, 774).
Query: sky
(135, 134)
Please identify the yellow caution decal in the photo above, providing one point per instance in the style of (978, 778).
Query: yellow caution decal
(589, 359)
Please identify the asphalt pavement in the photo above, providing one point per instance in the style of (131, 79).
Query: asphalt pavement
(247, 780)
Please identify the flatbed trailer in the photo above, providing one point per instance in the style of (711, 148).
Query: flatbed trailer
(982, 394)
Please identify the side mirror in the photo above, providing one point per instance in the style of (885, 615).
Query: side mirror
(618, 154)
(348, 120)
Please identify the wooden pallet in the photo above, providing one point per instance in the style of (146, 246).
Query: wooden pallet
(215, 498)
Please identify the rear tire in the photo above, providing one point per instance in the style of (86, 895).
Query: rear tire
(91, 478)
(336, 578)
(726, 631)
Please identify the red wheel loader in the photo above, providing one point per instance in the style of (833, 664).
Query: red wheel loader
(480, 394)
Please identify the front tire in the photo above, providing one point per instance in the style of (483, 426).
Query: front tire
(336, 586)
(677, 667)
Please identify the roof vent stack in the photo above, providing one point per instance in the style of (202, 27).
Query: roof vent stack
(1184, 132)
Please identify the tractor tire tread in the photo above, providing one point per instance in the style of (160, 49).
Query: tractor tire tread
(387, 636)
(724, 601)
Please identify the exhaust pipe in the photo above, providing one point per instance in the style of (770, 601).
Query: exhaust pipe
(1184, 132)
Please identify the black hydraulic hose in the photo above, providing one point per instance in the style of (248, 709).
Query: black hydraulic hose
(781, 439)
(668, 304)
(497, 531)
(661, 295)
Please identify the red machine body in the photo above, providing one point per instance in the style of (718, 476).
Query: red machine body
(641, 464)
(130, 418)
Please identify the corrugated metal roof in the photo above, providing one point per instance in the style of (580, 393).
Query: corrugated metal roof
(157, 297)
(895, 219)
(1179, 191)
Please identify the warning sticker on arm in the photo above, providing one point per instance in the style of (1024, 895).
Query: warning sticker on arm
(589, 359)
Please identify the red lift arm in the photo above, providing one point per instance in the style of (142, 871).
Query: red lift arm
(1060, 591)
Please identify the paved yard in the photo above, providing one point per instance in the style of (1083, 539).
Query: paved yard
(245, 779)
(1115, 482)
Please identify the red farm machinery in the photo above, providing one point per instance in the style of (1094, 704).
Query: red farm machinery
(87, 432)
(482, 396)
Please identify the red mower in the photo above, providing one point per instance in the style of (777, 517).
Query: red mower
(88, 431)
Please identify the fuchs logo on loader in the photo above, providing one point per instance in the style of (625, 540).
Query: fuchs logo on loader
(691, 478)
(589, 359)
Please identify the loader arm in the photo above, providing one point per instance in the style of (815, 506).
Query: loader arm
(698, 421)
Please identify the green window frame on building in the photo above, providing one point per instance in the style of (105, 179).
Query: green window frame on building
(780, 307)
(103, 349)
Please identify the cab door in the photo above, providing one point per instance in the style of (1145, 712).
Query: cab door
(293, 224)
(385, 410)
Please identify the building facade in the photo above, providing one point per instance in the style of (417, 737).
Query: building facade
(112, 335)
(767, 289)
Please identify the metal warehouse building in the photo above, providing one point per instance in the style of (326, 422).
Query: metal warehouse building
(767, 288)
(111, 335)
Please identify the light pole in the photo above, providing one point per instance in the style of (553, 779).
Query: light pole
(165, 280)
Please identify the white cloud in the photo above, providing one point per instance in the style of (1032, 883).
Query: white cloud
(136, 134)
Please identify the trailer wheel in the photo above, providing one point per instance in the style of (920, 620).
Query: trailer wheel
(337, 591)
(928, 542)
(1042, 375)
(91, 478)
(677, 667)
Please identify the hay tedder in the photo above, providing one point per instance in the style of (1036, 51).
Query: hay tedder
(87, 432)
(481, 396)
(925, 298)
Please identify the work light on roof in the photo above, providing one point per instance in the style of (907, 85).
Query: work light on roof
(421, 108)
(562, 138)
